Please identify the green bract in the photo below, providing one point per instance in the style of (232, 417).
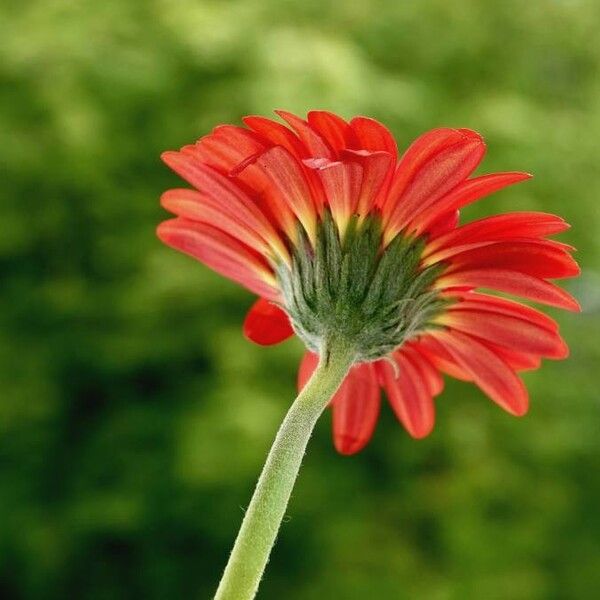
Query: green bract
(352, 288)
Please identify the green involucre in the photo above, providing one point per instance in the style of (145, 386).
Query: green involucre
(352, 288)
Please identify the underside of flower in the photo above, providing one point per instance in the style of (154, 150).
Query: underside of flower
(341, 236)
(352, 287)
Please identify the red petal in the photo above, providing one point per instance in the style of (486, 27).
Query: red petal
(518, 361)
(355, 409)
(227, 146)
(408, 395)
(205, 178)
(267, 324)
(504, 330)
(428, 180)
(447, 253)
(315, 144)
(372, 135)
(496, 228)
(463, 194)
(418, 154)
(307, 366)
(278, 177)
(445, 223)
(430, 376)
(512, 282)
(222, 253)
(277, 135)
(376, 168)
(488, 371)
(441, 359)
(199, 207)
(342, 184)
(224, 192)
(494, 304)
(333, 129)
(539, 258)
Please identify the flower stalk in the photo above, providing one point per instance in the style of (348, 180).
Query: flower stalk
(263, 517)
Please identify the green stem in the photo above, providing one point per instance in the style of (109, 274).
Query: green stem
(267, 507)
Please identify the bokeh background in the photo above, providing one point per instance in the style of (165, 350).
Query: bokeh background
(134, 417)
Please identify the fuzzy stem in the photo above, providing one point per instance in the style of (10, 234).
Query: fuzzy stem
(266, 510)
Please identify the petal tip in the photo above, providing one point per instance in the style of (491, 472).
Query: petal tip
(347, 445)
(166, 198)
(520, 175)
(572, 305)
(169, 156)
(285, 114)
(164, 229)
(471, 133)
(562, 351)
(519, 411)
(420, 432)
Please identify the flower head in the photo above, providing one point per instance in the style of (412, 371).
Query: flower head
(340, 236)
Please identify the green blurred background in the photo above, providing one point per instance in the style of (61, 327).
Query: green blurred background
(134, 417)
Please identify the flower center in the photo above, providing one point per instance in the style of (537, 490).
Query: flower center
(353, 288)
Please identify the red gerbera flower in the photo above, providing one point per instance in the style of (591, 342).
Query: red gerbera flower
(337, 233)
